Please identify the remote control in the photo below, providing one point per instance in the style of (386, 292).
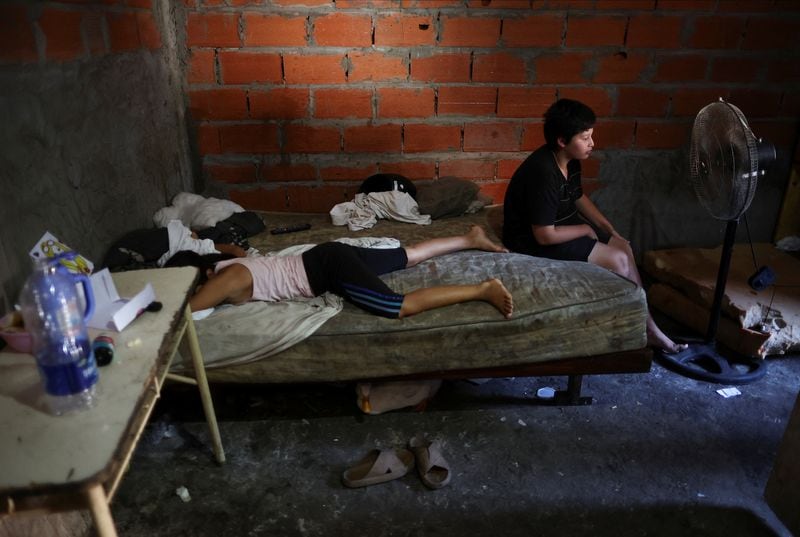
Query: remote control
(290, 229)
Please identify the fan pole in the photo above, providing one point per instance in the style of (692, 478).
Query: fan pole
(722, 280)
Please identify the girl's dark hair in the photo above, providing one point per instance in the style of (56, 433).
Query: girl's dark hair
(564, 119)
(187, 258)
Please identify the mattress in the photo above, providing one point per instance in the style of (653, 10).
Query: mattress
(563, 309)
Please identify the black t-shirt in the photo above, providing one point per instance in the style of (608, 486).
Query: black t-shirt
(538, 194)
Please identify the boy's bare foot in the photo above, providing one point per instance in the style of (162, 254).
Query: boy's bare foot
(657, 339)
(479, 240)
(494, 292)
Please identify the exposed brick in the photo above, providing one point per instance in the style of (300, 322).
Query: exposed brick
(441, 68)
(279, 103)
(311, 139)
(506, 169)
(281, 171)
(590, 185)
(343, 30)
(147, 4)
(495, 190)
(123, 32)
(756, 102)
(299, 3)
(653, 31)
(363, 4)
(94, 30)
(583, 31)
(260, 199)
(467, 168)
(201, 67)
(735, 69)
(499, 67)
(414, 170)
(499, 4)
(746, 6)
(689, 101)
(232, 173)
(317, 199)
(422, 137)
(613, 134)
(208, 139)
(687, 5)
(563, 68)
(771, 33)
(343, 103)
(717, 32)
(213, 30)
(467, 100)
(662, 134)
(598, 99)
(403, 30)
(636, 101)
(405, 102)
(681, 68)
(431, 4)
(783, 70)
(567, 4)
(237, 67)
(62, 30)
(524, 102)
(469, 31)
(372, 138)
(542, 30)
(621, 68)
(274, 30)
(149, 36)
(250, 139)
(354, 172)
(532, 136)
(618, 5)
(226, 103)
(492, 137)
(314, 69)
(781, 133)
(376, 66)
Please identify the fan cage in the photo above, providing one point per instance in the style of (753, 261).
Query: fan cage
(723, 160)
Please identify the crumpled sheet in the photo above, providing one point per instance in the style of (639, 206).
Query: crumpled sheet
(195, 211)
(255, 330)
(365, 210)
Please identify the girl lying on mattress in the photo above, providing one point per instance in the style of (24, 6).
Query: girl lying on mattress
(348, 271)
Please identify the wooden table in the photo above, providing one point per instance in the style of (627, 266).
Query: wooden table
(50, 463)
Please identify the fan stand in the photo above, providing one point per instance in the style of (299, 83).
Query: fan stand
(702, 360)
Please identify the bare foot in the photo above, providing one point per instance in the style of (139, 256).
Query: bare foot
(479, 240)
(494, 292)
(657, 339)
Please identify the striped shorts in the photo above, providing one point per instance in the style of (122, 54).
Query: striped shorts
(352, 273)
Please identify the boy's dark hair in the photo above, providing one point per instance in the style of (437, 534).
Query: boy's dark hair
(564, 119)
(187, 258)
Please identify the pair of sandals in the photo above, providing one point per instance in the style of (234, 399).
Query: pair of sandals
(382, 465)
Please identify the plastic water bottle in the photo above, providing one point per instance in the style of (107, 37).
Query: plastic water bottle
(57, 322)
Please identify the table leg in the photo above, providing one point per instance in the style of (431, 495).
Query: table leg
(101, 514)
(202, 384)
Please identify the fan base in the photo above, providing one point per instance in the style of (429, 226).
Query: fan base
(703, 361)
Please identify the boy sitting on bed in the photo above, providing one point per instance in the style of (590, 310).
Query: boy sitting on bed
(348, 271)
(546, 213)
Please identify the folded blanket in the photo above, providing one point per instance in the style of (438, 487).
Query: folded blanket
(365, 210)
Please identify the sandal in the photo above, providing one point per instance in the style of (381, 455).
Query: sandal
(379, 466)
(434, 470)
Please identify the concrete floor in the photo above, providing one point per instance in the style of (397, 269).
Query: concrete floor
(656, 454)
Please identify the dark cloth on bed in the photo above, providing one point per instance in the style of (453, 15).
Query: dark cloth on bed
(539, 194)
(352, 273)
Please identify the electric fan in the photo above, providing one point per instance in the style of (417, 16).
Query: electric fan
(725, 161)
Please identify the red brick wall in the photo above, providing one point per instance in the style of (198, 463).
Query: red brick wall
(72, 30)
(295, 102)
